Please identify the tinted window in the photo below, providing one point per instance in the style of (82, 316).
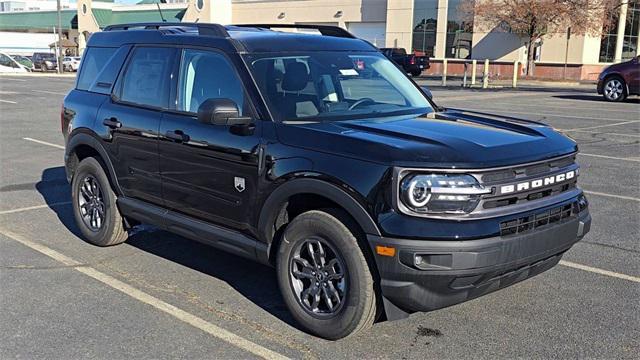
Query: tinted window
(148, 77)
(207, 75)
(94, 60)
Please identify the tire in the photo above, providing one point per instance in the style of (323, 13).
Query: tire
(91, 190)
(416, 73)
(356, 310)
(614, 89)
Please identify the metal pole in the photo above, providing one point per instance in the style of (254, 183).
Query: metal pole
(444, 72)
(464, 78)
(474, 64)
(514, 81)
(59, 49)
(485, 75)
(566, 53)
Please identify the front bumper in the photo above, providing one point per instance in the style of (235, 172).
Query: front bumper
(454, 271)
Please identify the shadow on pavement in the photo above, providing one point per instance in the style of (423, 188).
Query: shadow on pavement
(594, 97)
(254, 281)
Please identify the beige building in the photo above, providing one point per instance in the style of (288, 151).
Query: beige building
(430, 27)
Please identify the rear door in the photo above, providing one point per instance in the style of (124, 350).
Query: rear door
(209, 171)
(131, 118)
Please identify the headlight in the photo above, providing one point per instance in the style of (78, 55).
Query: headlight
(441, 193)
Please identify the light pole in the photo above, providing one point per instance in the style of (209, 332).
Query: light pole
(59, 47)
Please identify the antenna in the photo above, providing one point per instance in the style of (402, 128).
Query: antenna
(160, 10)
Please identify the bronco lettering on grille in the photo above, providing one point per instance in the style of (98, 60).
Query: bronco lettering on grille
(537, 183)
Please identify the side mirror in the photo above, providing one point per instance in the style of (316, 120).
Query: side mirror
(426, 91)
(221, 112)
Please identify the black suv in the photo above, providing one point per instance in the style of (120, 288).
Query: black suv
(369, 200)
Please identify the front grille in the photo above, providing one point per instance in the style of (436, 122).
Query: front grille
(497, 178)
(531, 222)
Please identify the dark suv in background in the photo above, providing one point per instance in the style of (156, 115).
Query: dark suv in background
(318, 156)
(618, 81)
(44, 61)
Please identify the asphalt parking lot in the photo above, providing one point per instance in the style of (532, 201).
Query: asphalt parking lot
(162, 296)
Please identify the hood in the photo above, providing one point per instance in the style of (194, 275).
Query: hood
(452, 138)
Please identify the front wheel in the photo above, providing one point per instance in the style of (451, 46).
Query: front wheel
(94, 205)
(324, 276)
(416, 73)
(614, 89)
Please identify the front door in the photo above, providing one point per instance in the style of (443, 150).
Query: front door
(209, 171)
(132, 118)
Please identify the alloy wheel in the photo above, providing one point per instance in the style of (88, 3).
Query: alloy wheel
(613, 89)
(318, 277)
(91, 203)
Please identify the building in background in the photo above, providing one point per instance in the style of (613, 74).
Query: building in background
(431, 27)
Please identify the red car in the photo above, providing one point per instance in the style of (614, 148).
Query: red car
(618, 81)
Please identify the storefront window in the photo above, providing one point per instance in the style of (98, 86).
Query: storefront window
(459, 31)
(630, 44)
(425, 19)
(630, 39)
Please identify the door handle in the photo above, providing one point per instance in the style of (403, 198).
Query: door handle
(177, 136)
(112, 123)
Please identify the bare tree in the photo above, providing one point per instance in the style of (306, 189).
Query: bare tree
(534, 19)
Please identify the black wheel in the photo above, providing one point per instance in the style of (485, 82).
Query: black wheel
(614, 89)
(416, 72)
(324, 277)
(94, 205)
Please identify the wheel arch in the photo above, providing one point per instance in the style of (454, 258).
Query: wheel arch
(279, 200)
(82, 145)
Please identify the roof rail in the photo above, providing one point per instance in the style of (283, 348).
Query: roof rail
(326, 30)
(203, 28)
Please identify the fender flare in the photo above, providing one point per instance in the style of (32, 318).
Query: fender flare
(269, 210)
(81, 138)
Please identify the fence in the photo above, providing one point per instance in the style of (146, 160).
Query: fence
(474, 72)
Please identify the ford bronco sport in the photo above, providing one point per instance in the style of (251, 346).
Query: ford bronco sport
(315, 154)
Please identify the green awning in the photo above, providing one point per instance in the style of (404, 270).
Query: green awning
(107, 17)
(45, 20)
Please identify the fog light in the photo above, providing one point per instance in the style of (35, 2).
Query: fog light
(583, 204)
(418, 260)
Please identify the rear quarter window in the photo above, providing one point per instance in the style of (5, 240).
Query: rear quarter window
(95, 59)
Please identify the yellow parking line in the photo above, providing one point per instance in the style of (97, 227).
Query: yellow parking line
(143, 297)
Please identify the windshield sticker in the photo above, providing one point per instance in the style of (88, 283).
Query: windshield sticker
(348, 72)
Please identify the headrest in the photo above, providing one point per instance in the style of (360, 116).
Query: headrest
(296, 76)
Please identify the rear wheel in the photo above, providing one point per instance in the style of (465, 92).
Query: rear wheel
(416, 72)
(324, 277)
(94, 205)
(614, 89)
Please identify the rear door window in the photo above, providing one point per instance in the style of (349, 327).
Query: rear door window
(95, 59)
(147, 78)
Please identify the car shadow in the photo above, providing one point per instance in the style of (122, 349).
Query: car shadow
(593, 97)
(252, 280)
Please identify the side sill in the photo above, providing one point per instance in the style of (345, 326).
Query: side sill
(213, 235)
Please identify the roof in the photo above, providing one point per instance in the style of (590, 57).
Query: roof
(38, 20)
(106, 17)
(246, 39)
(261, 40)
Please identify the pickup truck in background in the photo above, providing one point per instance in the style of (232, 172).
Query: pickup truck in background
(411, 63)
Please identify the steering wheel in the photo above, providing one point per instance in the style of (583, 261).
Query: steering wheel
(360, 102)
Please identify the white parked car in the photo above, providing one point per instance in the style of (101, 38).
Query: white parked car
(8, 65)
(71, 63)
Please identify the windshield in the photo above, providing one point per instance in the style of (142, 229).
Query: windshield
(328, 86)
